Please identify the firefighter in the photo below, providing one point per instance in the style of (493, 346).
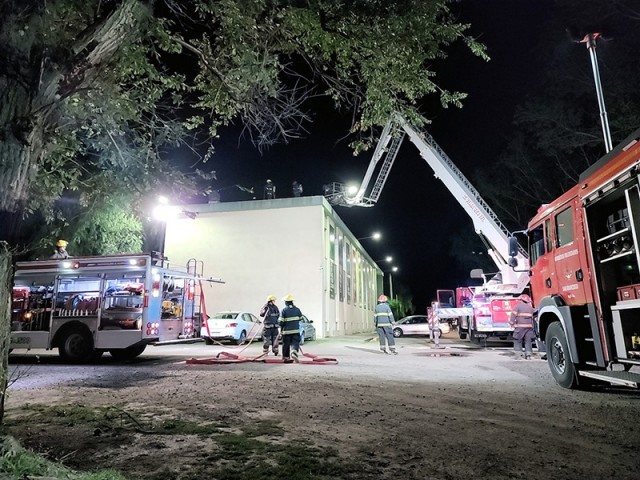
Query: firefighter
(383, 320)
(296, 189)
(269, 190)
(270, 335)
(61, 250)
(434, 326)
(290, 326)
(522, 321)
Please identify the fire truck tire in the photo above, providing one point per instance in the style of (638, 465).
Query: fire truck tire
(462, 334)
(128, 353)
(242, 338)
(397, 332)
(562, 369)
(208, 341)
(76, 345)
(472, 336)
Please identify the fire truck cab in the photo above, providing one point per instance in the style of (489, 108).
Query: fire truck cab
(85, 306)
(585, 273)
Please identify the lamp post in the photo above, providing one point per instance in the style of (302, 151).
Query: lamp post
(590, 40)
(393, 269)
(163, 212)
(387, 259)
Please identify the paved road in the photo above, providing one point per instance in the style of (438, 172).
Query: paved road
(459, 362)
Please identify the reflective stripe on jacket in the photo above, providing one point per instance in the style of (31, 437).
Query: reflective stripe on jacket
(271, 315)
(522, 316)
(383, 317)
(290, 320)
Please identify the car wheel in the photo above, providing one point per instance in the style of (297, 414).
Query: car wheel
(313, 336)
(242, 338)
(397, 332)
(562, 369)
(462, 334)
(301, 340)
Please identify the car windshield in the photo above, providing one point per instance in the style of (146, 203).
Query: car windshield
(225, 315)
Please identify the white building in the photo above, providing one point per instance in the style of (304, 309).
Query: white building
(296, 246)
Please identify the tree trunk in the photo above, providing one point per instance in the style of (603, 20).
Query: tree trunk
(28, 107)
(28, 111)
(5, 321)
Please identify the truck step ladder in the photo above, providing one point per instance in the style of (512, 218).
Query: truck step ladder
(627, 379)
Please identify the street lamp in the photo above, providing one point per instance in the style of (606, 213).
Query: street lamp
(393, 269)
(164, 212)
(374, 235)
(590, 41)
(387, 259)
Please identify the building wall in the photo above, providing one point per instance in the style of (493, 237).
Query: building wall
(279, 247)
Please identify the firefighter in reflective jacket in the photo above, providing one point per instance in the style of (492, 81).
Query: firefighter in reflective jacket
(384, 320)
(522, 322)
(270, 334)
(290, 326)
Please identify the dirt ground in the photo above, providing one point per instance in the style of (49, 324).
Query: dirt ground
(455, 413)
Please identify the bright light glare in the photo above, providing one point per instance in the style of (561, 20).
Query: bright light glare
(376, 235)
(352, 190)
(395, 269)
(388, 258)
(165, 212)
(163, 200)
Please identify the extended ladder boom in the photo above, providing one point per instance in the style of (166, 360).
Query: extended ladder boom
(485, 221)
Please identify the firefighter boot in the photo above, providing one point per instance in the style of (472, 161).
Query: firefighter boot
(384, 350)
(394, 351)
(294, 356)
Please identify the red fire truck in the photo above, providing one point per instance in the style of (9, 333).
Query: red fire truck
(585, 273)
(85, 306)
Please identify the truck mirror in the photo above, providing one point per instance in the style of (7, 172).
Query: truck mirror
(513, 247)
(476, 273)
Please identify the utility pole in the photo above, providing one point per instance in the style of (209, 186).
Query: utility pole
(590, 41)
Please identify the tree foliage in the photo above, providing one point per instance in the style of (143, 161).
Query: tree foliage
(96, 91)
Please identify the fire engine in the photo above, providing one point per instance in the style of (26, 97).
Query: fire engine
(585, 275)
(487, 316)
(85, 306)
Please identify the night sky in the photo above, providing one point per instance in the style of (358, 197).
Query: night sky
(416, 214)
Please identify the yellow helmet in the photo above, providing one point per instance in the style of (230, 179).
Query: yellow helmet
(62, 243)
(271, 298)
(288, 298)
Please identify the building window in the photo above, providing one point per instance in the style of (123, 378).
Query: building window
(332, 262)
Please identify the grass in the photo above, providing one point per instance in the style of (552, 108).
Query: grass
(250, 452)
(18, 463)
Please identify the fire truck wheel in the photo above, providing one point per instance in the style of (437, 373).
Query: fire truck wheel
(128, 353)
(397, 332)
(241, 339)
(76, 345)
(563, 371)
(472, 337)
(462, 334)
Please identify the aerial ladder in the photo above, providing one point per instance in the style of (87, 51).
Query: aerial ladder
(507, 281)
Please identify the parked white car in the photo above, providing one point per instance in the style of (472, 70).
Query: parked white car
(417, 325)
(235, 326)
